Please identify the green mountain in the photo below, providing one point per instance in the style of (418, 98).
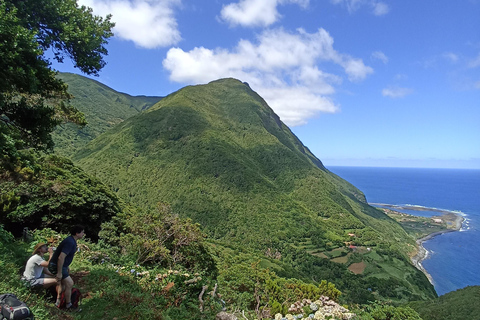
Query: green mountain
(220, 156)
(456, 305)
(103, 108)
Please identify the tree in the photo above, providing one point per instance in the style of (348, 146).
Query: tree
(55, 194)
(32, 100)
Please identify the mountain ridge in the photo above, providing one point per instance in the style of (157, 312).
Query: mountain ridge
(103, 108)
(220, 156)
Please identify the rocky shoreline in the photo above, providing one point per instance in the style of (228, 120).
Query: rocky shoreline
(422, 253)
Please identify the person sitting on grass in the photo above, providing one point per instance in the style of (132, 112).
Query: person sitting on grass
(36, 268)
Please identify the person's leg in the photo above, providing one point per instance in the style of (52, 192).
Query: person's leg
(68, 283)
(59, 293)
(48, 282)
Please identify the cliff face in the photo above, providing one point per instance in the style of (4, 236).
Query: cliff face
(220, 155)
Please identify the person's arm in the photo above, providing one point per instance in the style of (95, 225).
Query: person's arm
(61, 260)
(45, 263)
(45, 270)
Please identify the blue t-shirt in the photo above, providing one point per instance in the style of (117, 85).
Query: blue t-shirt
(69, 247)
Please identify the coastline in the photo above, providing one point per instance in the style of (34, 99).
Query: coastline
(454, 218)
(422, 253)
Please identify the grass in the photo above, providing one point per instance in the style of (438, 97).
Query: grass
(109, 291)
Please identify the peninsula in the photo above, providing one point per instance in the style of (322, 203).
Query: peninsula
(423, 228)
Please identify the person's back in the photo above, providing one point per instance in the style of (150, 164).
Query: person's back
(67, 246)
(33, 268)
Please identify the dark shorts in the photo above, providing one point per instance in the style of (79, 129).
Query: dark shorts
(52, 267)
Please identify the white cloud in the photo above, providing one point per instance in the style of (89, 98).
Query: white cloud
(148, 23)
(475, 62)
(378, 8)
(450, 56)
(380, 56)
(400, 77)
(355, 69)
(255, 12)
(282, 67)
(396, 92)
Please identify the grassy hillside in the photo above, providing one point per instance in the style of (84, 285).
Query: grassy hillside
(457, 305)
(103, 108)
(219, 155)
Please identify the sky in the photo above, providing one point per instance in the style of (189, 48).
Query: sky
(360, 82)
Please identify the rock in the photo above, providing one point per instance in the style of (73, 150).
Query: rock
(225, 316)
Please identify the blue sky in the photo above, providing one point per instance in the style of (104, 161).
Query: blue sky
(360, 82)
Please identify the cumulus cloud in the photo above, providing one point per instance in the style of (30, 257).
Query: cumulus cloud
(396, 92)
(251, 13)
(378, 8)
(282, 67)
(378, 55)
(148, 23)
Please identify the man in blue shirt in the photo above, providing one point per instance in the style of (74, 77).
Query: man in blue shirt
(60, 262)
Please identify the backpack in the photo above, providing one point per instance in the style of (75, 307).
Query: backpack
(13, 309)
(76, 296)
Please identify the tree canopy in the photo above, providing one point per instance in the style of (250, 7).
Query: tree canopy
(32, 100)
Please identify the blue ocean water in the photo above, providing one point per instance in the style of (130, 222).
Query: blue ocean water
(454, 258)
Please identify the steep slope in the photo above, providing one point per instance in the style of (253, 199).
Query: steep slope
(219, 155)
(103, 108)
(456, 305)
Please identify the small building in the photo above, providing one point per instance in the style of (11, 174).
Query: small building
(436, 220)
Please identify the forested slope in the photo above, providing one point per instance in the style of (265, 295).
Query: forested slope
(461, 304)
(103, 108)
(219, 155)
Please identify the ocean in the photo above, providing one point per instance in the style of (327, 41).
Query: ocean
(453, 258)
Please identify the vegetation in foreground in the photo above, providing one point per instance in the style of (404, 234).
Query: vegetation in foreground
(149, 263)
(114, 285)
